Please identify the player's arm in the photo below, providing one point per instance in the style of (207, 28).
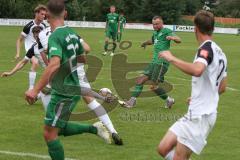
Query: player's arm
(223, 86)
(174, 38)
(106, 26)
(194, 69)
(82, 57)
(119, 24)
(18, 45)
(146, 43)
(18, 67)
(44, 57)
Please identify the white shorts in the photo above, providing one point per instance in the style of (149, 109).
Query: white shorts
(193, 132)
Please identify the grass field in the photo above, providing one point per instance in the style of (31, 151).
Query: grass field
(21, 125)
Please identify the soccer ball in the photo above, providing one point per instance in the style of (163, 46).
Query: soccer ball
(104, 92)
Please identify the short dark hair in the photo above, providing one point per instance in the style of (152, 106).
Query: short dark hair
(36, 29)
(56, 7)
(157, 17)
(204, 21)
(39, 8)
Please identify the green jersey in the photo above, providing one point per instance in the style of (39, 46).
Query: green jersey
(112, 21)
(65, 44)
(122, 21)
(160, 43)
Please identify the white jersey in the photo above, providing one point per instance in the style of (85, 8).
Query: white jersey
(205, 96)
(27, 33)
(34, 51)
(43, 37)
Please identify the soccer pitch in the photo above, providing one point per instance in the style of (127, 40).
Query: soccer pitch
(21, 125)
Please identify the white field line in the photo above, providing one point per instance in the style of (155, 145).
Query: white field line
(171, 77)
(33, 155)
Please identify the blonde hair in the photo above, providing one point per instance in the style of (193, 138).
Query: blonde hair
(39, 8)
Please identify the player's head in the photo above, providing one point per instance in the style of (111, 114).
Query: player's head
(56, 9)
(36, 30)
(112, 9)
(40, 12)
(204, 23)
(157, 23)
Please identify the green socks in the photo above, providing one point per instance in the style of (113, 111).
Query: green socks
(77, 128)
(161, 93)
(137, 91)
(55, 150)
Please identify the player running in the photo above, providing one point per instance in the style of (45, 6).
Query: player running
(63, 48)
(122, 21)
(112, 29)
(27, 36)
(209, 73)
(157, 68)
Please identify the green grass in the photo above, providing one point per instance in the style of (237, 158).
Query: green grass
(21, 125)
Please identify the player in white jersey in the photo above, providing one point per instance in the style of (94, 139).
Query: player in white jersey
(33, 51)
(209, 71)
(27, 36)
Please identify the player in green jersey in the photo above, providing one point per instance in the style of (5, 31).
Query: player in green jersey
(111, 30)
(63, 48)
(157, 68)
(122, 21)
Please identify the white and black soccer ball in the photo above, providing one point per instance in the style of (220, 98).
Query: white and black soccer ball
(105, 92)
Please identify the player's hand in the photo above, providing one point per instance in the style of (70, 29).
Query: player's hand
(166, 55)
(170, 38)
(5, 74)
(188, 100)
(31, 96)
(17, 57)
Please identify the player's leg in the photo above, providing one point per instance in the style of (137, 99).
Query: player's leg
(95, 106)
(114, 38)
(119, 37)
(158, 73)
(108, 35)
(32, 73)
(137, 91)
(103, 117)
(182, 152)
(58, 113)
(55, 148)
(166, 146)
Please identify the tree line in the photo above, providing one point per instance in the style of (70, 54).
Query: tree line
(135, 10)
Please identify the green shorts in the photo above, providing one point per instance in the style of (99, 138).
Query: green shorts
(59, 110)
(111, 34)
(156, 72)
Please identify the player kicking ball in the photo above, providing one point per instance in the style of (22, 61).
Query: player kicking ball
(157, 68)
(189, 134)
(63, 48)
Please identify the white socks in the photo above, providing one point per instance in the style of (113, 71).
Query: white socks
(170, 155)
(102, 115)
(32, 78)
